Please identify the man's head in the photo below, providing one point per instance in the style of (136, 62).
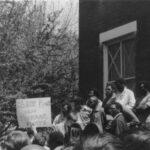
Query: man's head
(109, 89)
(120, 85)
(92, 102)
(114, 109)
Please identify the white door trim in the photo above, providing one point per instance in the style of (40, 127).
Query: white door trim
(118, 31)
(110, 35)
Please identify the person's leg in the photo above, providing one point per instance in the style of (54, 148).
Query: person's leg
(130, 114)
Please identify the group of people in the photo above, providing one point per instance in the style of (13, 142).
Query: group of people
(118, 122)
(118, 112)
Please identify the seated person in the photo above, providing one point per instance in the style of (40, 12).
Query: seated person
(118, 125)
(94, 92)
(126, 98)
(143, 108)
(109, 94)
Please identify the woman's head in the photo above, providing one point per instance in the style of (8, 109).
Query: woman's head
(16, 140)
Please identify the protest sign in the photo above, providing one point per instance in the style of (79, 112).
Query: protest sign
(34, 112)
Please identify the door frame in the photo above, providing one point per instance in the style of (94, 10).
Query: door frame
(110, 35)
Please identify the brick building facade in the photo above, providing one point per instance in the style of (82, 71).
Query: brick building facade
(114, 41)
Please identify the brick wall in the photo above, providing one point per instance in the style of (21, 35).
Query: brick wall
(96, 16)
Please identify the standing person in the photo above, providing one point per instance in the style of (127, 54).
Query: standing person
(118, 125)
(126, 98)
(97, 115)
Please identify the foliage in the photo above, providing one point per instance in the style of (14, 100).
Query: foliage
(38, 58)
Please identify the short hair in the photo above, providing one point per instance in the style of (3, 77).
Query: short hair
(121, 81)
(100, 142)
(90, 130)
(16, 140)
(55, 139)
(118, 106)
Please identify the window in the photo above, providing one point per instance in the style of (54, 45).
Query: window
(119, 54)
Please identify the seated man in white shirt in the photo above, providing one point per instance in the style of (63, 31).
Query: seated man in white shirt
(126, 98)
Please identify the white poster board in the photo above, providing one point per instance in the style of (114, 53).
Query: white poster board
(34, 111)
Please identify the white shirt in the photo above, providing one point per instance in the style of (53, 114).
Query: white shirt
(145, 101)
(126, 98)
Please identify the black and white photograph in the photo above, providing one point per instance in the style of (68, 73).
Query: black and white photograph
(74, 74)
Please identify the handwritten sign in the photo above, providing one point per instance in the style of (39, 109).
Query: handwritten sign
(34, 112)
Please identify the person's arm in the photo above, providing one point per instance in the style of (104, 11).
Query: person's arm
(120, 126)
(145, 103)
(56, 120)
(131, 100)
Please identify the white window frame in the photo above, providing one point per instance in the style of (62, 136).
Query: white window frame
(129, 28)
